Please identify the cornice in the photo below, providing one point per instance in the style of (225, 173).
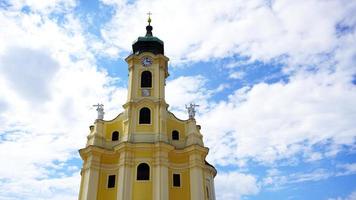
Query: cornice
(145, 99)
(139, 56)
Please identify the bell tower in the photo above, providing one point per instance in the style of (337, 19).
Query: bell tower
(146, 105)
(147, 67)
(146, 152)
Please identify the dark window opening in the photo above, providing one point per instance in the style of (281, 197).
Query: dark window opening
(175, 135)
(146, 79)
(143, 172)
(111, 181)
(115, 136)
(176, 180)
(145, 116)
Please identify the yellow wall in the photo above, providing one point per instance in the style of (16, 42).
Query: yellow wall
(144, 128)
(182, 192)
(111, 126)
(178, 158)
(105, 193)
(142, 190)
(143, 153)
(110, 159)
(174, 124)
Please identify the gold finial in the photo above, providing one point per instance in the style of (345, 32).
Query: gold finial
(149, 18)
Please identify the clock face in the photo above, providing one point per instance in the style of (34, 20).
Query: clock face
(145, 92)
(146, 61)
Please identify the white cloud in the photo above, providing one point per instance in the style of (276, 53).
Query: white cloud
(54, 188)
(269, 122)
(234, 185)
(48, 84)
(188, 89)
(277, 180)
(352, 196)
(346, 169)
(23, 66)
(264, 122)
(316, 175)
(255, 29)
(237, 75)
(45, 7)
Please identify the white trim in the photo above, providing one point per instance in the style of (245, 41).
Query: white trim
(125, 179)
(197, 190)
(160, 181)
(143, 137)
(91, 184)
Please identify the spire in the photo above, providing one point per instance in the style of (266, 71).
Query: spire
(149, 18)
(149, 27)
(148, 43)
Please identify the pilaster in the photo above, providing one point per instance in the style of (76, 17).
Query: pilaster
(196, 177)
(90, 177)
(160, 172)
(124, 191)
(212, 188)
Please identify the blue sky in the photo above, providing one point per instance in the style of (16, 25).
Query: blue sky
(275, 81)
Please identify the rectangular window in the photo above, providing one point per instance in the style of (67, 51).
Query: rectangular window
(111, 181)
(176, 180)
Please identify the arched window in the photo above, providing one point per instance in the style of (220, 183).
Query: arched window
(145, 116)
(175, 135)
(115, 136)
(143, 172)
(146, 79)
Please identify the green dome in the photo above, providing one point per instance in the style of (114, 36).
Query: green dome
(148, 43)
(148, 38)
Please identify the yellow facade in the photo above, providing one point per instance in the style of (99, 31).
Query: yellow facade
(173, 167)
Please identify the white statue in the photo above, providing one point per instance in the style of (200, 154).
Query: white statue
(100, 109)
(191, 110)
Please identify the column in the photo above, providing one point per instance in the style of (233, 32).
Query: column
(124, 190)
(196, 177)
(212, 188)
(90, 179)
(160, 174)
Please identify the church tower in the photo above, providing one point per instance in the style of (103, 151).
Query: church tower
(146, 152)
